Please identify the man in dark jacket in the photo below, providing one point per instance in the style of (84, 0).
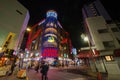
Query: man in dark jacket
(44, 69)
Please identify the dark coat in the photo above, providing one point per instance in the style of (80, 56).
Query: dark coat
(44, 69)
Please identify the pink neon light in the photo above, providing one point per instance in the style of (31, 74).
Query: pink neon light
(49, 52)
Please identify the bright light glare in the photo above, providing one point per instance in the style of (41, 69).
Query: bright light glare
(28, 29)
(0, 48)
(85, 38)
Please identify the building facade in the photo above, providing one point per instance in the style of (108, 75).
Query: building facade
(13, 18)
(49, 39)
(104, 36)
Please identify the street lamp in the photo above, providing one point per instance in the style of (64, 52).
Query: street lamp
(19, 46)
(86, 39)
(28, 29)
(22, 36)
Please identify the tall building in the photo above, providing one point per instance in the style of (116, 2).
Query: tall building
(104, 36)
(49, 40)
(13, 20)
(95, 8)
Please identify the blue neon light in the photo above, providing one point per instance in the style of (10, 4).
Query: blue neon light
(51, 14)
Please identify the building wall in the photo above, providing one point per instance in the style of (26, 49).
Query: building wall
(112, 67)
(106, 37)
(95, 9)
(115, 32)
(102, 35)
(12, 19)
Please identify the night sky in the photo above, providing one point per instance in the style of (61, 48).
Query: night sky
(69, 14)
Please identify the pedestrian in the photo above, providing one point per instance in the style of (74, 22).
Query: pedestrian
(44, 70)
(29, 65)
(13, 65)
(37, 67)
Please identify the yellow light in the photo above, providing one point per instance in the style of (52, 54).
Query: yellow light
(28, 29)
(85, 38)
(109, 58)
(0, 48)
(51, 39)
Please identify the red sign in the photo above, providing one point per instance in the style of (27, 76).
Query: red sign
(50, 52)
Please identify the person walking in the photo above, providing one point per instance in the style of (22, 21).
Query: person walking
(44, 70)
(37, 67)
(13, 65)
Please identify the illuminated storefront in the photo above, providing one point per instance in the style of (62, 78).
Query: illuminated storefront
(46, 38)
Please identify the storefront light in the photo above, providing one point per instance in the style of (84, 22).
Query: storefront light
(0, 48)
(31, 54)
(109, 58)
(59, 58)
(27, 51)
(37, 54)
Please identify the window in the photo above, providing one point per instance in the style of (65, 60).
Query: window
(109, 58)
(103, 31)
(114, 29)
(109, 44)
(19, 12)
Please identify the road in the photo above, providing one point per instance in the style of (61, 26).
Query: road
(55, 74)
(72, 73)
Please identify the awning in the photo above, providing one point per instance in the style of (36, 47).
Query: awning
(84, 54)
(88, 53)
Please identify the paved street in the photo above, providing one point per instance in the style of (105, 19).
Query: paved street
(66, 73)
(55, 74)
(12, 77)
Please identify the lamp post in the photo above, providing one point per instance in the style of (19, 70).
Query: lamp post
(19, 45)
(22, 36)
(86, 39)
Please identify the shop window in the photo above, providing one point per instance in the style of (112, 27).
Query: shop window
(109, 58)
(19, 12)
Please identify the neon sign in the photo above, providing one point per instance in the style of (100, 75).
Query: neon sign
(50, 52)
(51, 39)
(51, 13)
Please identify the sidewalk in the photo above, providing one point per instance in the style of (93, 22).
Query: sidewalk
(84, 70)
